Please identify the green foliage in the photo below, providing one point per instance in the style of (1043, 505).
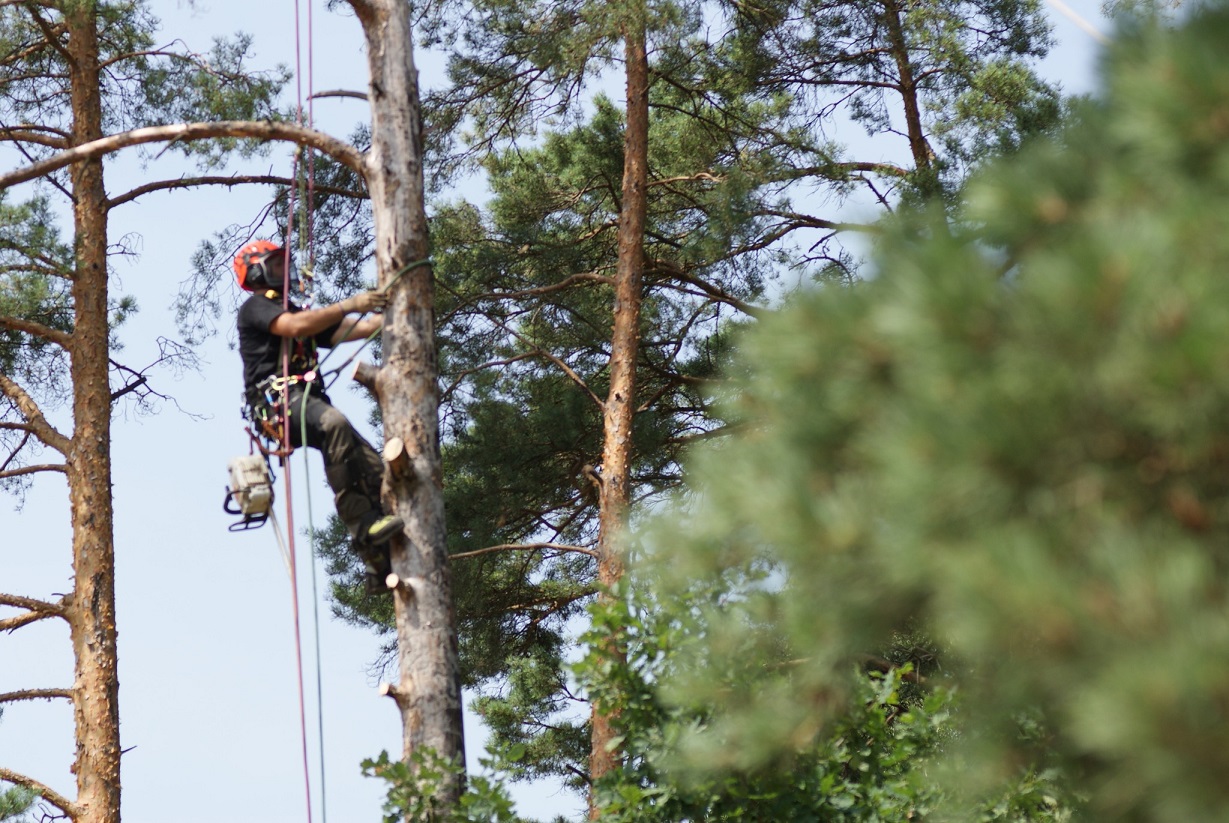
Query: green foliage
(524, 296)
(876, 760)
(15, 804)
(15, 801)
(214, 86)
(144, 84)
(35, 295)
(967, 68)
(414, 791)
(1012, 438)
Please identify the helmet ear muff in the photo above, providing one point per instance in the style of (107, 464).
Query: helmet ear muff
(258, 273)
(252, 265)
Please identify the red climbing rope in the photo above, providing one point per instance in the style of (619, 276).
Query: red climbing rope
(286, 347)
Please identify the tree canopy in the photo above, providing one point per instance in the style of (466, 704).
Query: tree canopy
(1012, 439)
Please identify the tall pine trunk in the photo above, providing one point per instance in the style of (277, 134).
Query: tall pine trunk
(620, 406)
(429, 691)
(91, 609)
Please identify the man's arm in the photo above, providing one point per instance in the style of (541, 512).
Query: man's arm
(360, 330)
(313, 321)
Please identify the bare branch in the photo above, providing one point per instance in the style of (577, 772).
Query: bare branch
(678, 273)
(510, 547)
(564, 367)
(32, 136)
(553, 287)
(721, 431)
(10, 624)
(690, 178)
(140, 381)
(24, 470)
(37, 694)
(52, 33)
(228, 181)
(31, 604)
(340, 151)
(45, 792)
(807, 221)
(43, 430)
(357, 95)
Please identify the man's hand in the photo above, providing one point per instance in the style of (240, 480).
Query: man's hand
(364, 302)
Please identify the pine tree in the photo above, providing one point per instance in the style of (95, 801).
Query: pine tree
(429, 693)
(526, 292)
(57, 316)
(1012, 439)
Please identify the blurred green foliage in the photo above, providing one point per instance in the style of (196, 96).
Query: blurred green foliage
(1014, 438)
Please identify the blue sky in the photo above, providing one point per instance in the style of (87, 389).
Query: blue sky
(208, 695)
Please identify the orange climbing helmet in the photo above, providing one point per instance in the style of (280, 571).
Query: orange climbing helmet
(252, 265)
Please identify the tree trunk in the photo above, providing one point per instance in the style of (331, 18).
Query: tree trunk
(919, 146)
(429, 692)
(91, 608)
(620, 407)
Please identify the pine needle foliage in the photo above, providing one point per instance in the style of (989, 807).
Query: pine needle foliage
(1013, 438)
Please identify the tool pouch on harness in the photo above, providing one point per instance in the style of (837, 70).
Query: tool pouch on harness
(266, 414)
(266, 404)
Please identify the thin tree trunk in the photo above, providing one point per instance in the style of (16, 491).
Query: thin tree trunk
(91, 608)
(429, 691)
(919, 146)
(625, 340)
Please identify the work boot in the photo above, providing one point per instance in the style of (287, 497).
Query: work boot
(376, 567)
(375, 585)
(379, 529)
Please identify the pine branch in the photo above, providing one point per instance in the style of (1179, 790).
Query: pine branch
(29, 135)
(357, 95)
(675, 272)
(566, 282)
(43, 430)
(45, 792)
(11, 624)
(42, 467)
(509, 547)
(568, 370)
(31, 604)
(340, 151)
(32, 268)
(228, 181)
(459, 377)
(61, 339)
(52, 33)
(36, 694)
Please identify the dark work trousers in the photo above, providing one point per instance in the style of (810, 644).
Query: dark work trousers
(353, 468)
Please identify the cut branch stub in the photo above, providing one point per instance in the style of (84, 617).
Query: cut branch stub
(393, 691)
(406, 584)
(365, 375)
(397, 457)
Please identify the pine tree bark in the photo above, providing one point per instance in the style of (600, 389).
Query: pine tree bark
(429, 692)
(90, 610)
(619, 409)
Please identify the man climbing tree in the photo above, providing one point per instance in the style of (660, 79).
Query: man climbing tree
(285, 392)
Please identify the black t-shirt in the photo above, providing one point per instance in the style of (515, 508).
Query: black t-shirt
(261, 349)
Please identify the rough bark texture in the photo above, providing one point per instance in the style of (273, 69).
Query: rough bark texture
(619, 409)
(429, 692)
(91, 608)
